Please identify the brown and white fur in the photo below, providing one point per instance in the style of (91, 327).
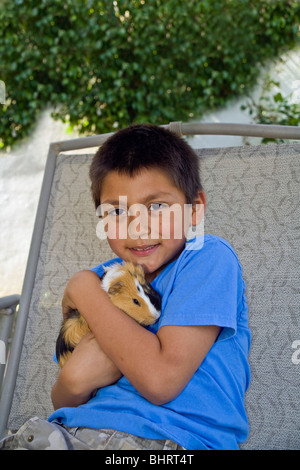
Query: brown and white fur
(128, 289)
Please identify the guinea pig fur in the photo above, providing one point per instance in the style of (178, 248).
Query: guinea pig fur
(128, 289)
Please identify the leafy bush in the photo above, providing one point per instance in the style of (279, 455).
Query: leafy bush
(272, 107)
(105, 64)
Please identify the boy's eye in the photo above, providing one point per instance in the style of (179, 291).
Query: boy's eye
(157, 206)
(117, 211)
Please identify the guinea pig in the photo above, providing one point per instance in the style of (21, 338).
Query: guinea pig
(128, 289)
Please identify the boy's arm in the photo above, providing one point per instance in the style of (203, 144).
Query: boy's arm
(87, 369)
(158, 366)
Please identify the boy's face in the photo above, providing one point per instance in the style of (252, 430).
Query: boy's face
(146, 218)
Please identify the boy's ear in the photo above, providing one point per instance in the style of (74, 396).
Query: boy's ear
(198, 208)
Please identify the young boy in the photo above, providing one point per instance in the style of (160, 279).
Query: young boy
(179, 383)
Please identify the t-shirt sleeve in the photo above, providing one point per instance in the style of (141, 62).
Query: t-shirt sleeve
(100, 268)
(206, 290)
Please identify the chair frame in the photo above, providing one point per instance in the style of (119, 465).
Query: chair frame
(11, 302)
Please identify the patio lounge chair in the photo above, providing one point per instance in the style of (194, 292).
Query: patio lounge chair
(253, 201)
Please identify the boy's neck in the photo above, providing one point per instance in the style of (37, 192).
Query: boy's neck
(151, 276)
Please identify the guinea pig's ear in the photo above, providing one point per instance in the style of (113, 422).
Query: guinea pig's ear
(115, 288)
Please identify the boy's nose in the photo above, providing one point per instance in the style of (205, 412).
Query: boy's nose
(138, 222)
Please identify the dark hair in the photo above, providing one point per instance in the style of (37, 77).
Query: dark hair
(142, 146)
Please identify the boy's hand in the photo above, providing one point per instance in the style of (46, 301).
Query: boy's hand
(67, 305)
(78, 281)
(90, 366)
(88, 369)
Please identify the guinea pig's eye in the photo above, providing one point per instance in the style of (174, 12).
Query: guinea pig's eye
(136, 302)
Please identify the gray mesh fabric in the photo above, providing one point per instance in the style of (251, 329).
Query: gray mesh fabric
(253, 202)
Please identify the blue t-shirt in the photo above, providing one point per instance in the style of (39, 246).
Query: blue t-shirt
(203, 286)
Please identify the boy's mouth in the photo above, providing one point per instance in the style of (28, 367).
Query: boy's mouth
(144, 250)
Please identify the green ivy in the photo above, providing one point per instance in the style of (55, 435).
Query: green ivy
(272, 107)
(105, 64)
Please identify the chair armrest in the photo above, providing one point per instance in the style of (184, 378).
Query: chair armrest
(9, 301)
(8, 306)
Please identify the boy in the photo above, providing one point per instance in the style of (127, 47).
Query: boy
(179, 383)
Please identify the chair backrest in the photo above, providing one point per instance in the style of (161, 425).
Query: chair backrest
(253, 201)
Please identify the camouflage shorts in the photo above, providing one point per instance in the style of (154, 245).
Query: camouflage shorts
(38, 434)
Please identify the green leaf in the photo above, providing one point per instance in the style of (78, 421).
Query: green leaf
(101, 62)
(278, 97)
